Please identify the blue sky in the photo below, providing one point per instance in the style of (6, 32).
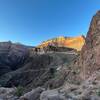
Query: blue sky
(32, 21)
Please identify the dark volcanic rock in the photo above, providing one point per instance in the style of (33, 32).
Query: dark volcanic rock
(12, 56)
(90, 55)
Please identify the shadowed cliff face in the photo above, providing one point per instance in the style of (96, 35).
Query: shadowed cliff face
(70, 42)
(12, 56)
(90, 55)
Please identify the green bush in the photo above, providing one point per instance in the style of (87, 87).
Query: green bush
(98, 92)
(19, 91)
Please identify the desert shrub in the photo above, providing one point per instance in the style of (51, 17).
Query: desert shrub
(52, 71)
(19, 91)
(98, 92)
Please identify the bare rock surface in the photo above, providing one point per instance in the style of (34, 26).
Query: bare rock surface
(32, 95)
(90, 54)
(8, 93)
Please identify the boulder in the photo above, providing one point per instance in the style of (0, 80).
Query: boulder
(8, 93)
(52, 95)
(32, 95)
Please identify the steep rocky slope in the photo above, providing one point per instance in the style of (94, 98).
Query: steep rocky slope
(12, 56)
(70, 42)
(90, 55)
(22, 66)
(37, 70)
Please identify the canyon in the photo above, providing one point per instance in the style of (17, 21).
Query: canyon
(58, 69)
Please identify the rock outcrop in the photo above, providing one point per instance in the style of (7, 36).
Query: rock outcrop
(8, 94)
(90, 54)
(32, 95)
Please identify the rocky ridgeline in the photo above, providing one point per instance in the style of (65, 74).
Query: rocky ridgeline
(68, 42)
(12, 56)
(90, 55)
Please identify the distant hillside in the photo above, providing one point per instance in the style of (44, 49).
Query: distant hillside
(70, 42)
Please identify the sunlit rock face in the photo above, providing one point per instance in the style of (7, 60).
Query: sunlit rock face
(70, 42)
(90, 54)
